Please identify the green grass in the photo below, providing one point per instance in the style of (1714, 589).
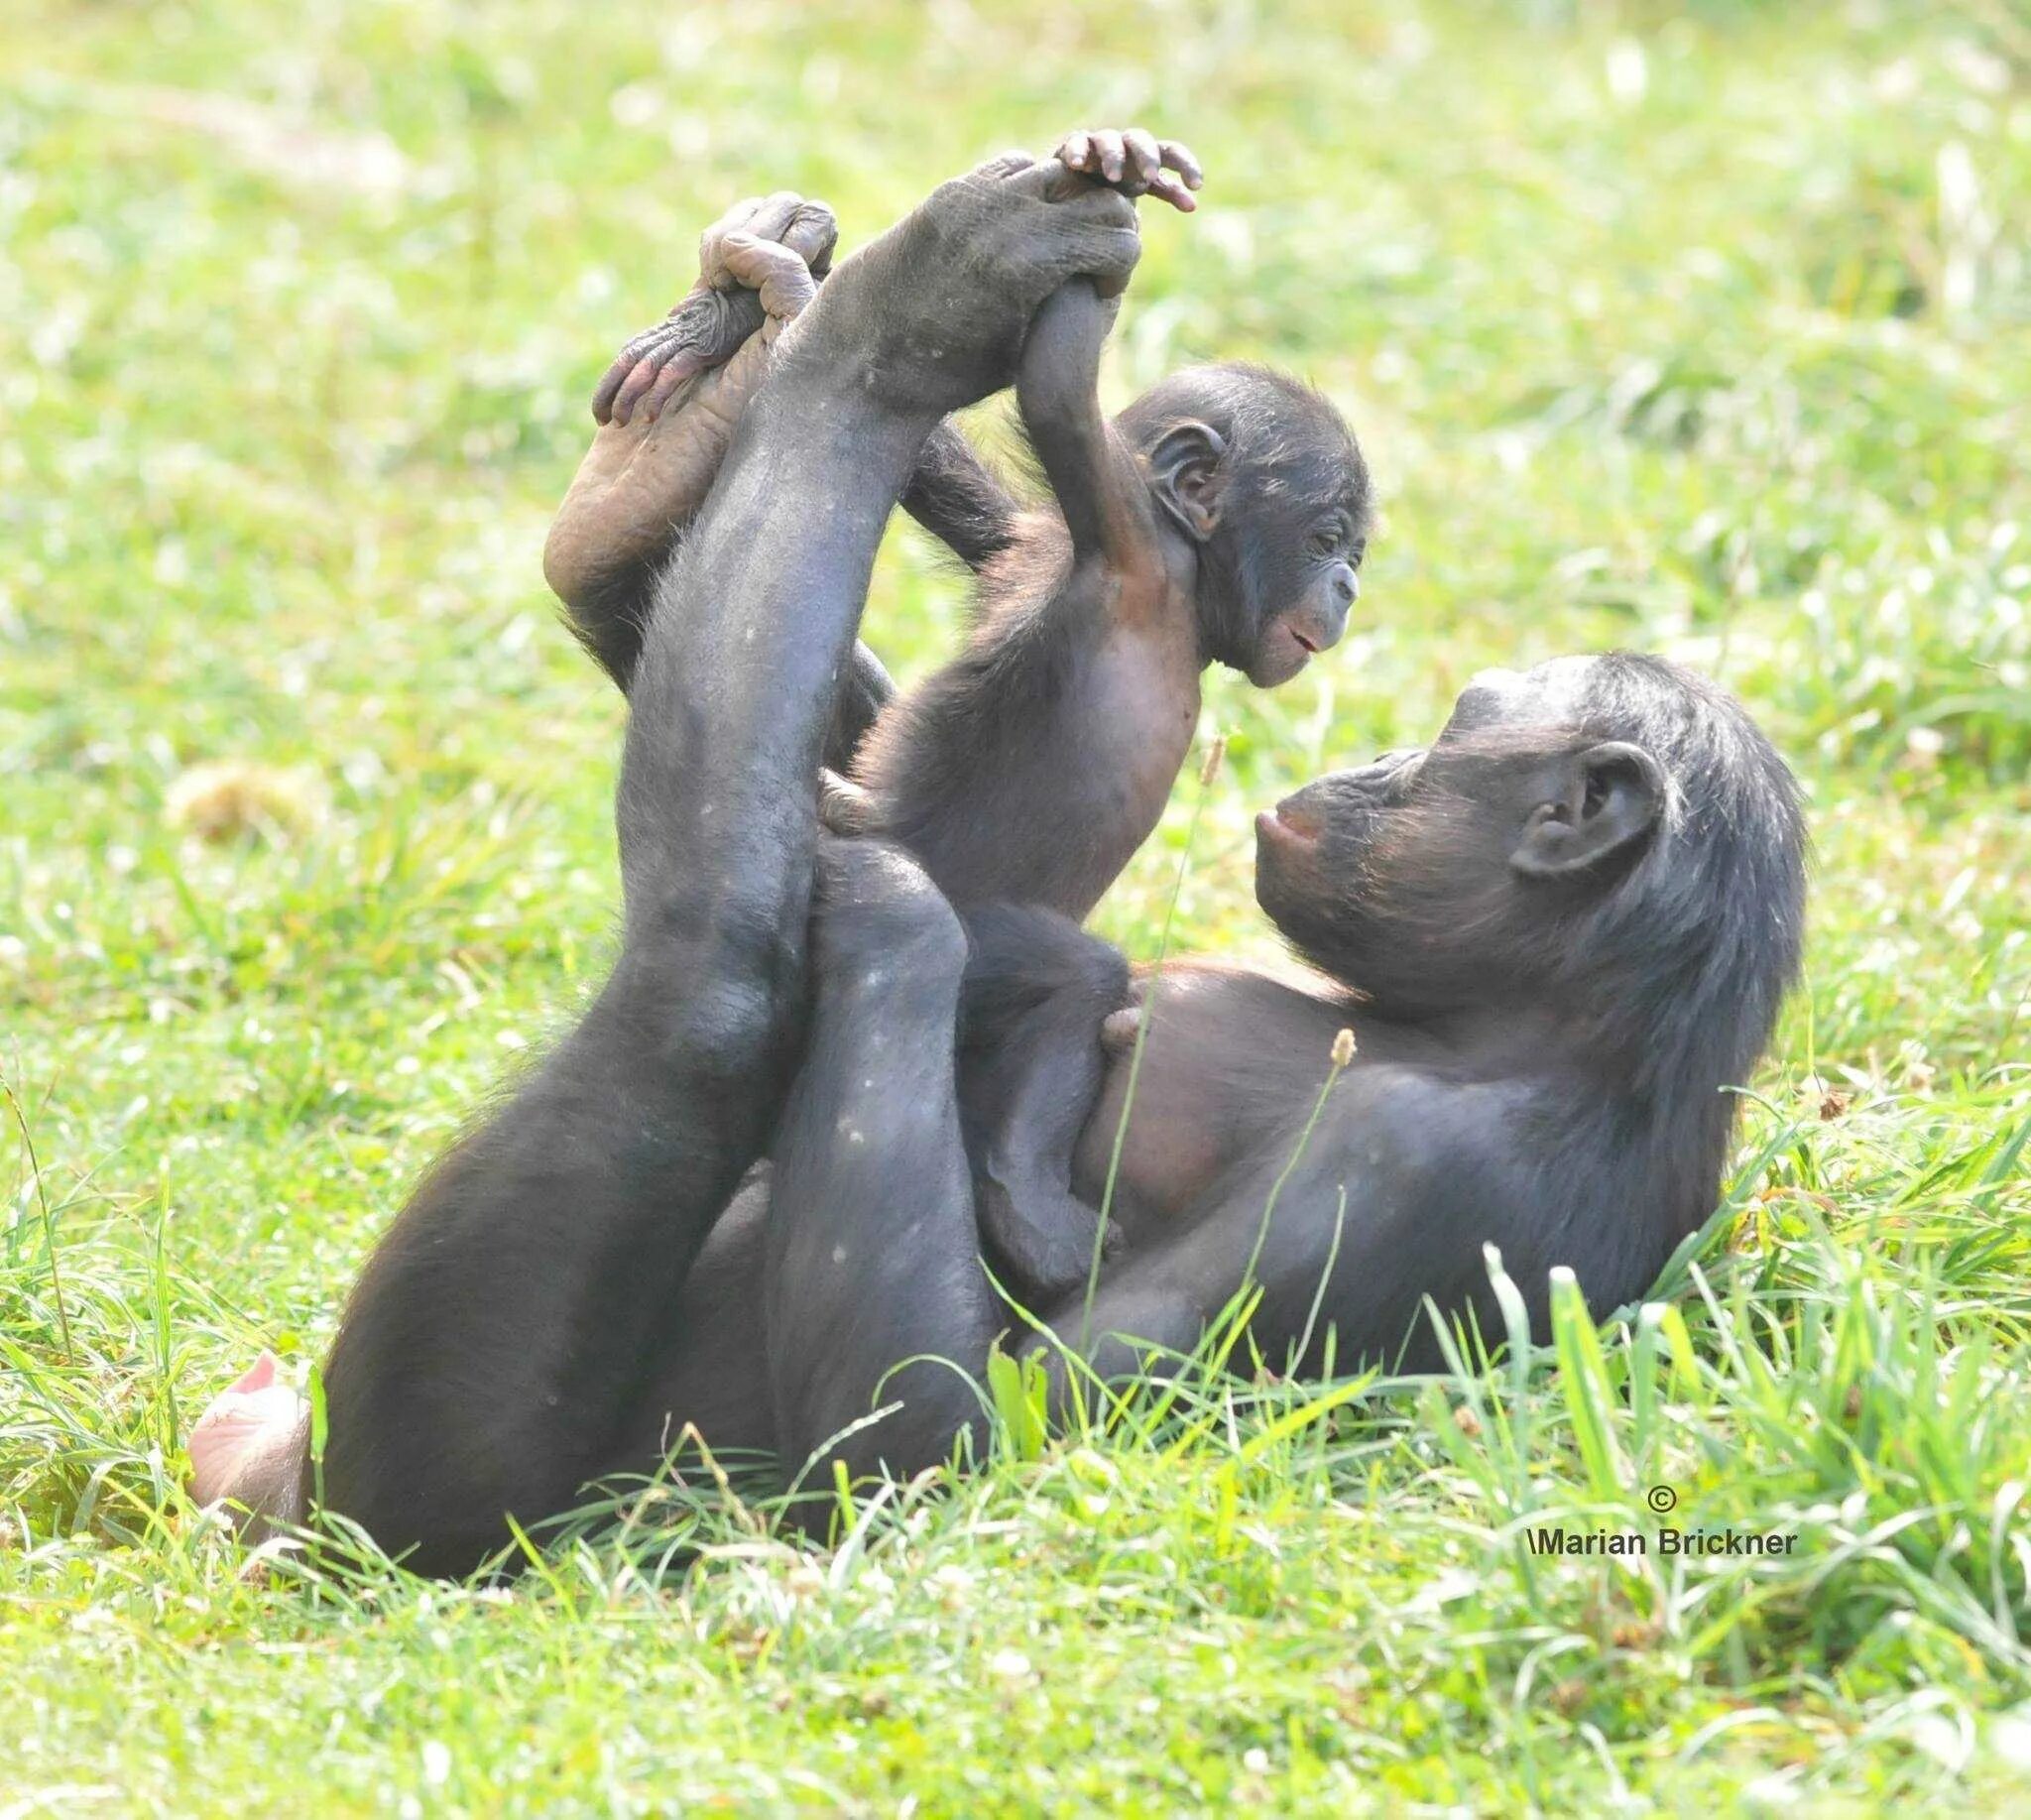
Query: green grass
(1708, 335)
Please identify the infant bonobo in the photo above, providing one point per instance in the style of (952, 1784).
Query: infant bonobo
(1223, 516)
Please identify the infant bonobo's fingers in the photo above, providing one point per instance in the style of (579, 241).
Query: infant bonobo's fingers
(844, 807)
(773, 270)
(1119, 1028)
(1175, 154)
(1107, 150)
(1145, 160)
(1135, 162)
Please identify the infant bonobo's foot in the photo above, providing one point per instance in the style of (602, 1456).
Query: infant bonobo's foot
(248, 1448)
(1042, 1237)
(844, 807)
(760, 262)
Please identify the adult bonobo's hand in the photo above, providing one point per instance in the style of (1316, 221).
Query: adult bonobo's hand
(930, 316)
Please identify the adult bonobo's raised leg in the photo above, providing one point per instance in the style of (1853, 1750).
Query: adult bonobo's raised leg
(668, 408)
(498, 1334)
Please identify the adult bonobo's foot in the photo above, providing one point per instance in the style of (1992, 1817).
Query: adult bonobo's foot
(669, 403)
(247, 1450)
(759, 263)
(930, 316)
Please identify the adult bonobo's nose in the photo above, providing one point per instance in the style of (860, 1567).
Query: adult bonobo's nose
(1346, 585)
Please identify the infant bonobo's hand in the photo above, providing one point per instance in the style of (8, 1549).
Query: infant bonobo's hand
(758, 264)
(1135, 162)
(930, 316)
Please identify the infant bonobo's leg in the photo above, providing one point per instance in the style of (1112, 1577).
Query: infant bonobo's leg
(1038, 990)
(667, 409)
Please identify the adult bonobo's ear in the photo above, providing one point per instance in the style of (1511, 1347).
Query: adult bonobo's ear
(1611, 797)
(1187, 472)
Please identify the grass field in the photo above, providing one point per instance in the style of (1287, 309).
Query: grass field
(1708, 335)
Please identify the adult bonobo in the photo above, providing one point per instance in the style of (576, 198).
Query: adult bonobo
(1560, 934)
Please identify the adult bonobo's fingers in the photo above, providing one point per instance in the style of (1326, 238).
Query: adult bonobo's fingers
(813, 235)
(773, 270)
(1076, 153)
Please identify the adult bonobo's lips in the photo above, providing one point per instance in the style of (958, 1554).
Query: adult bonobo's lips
(1289, 826)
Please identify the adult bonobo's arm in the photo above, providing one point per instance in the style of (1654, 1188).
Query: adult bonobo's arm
(495, 1342)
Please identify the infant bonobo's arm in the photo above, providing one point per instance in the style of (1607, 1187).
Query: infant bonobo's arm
(1100, 493)
(1007, 773)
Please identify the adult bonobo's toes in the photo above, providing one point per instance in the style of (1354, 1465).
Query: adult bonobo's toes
(247, 1448)
(878, 916)
(930, 316)
(761, 262)
(699, 333)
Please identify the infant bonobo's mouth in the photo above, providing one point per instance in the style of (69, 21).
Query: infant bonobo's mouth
(1312, 646)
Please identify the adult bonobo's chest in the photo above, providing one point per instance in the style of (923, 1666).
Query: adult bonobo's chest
(1228, 1055)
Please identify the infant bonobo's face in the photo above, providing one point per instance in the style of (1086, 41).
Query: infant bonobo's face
(1314, 581)
(1285, 561)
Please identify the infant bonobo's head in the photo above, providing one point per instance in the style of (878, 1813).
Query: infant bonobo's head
(1608, 844)
(1264, 478)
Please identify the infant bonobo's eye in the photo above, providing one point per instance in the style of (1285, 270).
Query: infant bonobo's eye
(1328, 538)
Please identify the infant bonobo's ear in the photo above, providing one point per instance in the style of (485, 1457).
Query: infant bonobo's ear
(1187, 472)
(1610, 798)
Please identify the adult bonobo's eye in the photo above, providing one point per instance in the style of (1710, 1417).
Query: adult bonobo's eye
(1326, 542)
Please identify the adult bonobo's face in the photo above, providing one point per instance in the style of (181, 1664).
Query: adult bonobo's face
(1454, 875)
